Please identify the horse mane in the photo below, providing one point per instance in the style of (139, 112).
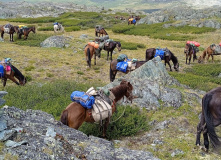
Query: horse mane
(105, 31)
(17, 72)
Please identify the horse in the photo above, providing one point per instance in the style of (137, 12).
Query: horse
(113, 68)
(8, 28)
(15, 73)
(210, 118)
(168, 55)
(132, 21)
(110, 47)
(189, 51)
(100, 31)
(207, 52)
(89, 53)
(25, 31)
(58, 27)
(75, 114)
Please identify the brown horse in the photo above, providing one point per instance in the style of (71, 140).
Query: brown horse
(168, 55)
(74, 115)
(89, 53)
(25, 32)
(8, 28)
(189, 51)
(15, 73)
(210, 118)
(113, 68)
(100, 31)
(207, 52)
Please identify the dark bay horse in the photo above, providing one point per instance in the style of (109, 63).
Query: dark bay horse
(189, 51)
(89, 53)
(74, 114)
(113, 68)
(210, 118)
(99, 32)
(25, 32)
(8, 28)
(110, 47)
(15, 73)
(150, 53)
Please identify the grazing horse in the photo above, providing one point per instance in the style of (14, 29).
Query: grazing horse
(110, 47)
(25, 31)
(8, 28)
(207, 52)
(189, 51)
(75, 114)
(99, 32)
(132, 21)
(89, 53)
(210, 118)
(113, 68)
(58, 27)
(15, 73)
(150, 53)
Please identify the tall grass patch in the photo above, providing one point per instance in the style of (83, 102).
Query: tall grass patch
(158, 31)
(200, 76)
(51, 97)
(123, 123)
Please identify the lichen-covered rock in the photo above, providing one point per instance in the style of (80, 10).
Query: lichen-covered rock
(55, 41)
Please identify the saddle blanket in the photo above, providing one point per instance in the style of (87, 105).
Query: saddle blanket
(159, 53)
(122, 66)
(83, 98)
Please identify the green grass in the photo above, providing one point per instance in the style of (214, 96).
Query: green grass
(157, 31)
(200, 76)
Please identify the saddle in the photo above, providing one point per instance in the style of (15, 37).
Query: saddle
(6, 65)
(102, 107)
(7, 28)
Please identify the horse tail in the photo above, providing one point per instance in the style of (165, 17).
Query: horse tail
(89, 57)
(209, 121)
(64, 117)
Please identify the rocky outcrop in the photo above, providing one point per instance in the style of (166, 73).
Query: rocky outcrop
(34, 134)
(185, 16)
(56, 41)
(152, 86)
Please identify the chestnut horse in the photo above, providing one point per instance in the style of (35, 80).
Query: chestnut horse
(8, 28)
(189, 51)
(110, 47)
(25, 32)
(150, 53)
(99, 32)
(113, 68)
(75, 114)
(15, 73)
(210, 118)
(89, 53)
(207, 52)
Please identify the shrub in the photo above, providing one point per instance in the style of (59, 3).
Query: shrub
(50, 28)
(132, 121)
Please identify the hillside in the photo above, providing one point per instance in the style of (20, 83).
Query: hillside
(169, 111)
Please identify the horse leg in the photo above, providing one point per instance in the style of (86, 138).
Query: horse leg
(190, 59)
(107, 55)
(2, 34)
(105, 127)
(212, 58)
(4, 82)
(206, 140)
(112, 74)
(94, 58)
(12, 38)
(200, 128)
(186, 58)
(111, 55)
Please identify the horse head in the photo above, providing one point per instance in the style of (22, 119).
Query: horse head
(22, 82)
(176, 66)
(187, 49)
(129, 87)
(33, 29)
(118, 45)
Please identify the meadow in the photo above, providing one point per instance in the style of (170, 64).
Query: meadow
(54, 73)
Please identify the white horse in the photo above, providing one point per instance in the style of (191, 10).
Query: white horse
(58, 27)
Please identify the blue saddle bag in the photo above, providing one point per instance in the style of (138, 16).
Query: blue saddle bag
(83, 98)
(1, 71)
(122, 66)
(160, 53)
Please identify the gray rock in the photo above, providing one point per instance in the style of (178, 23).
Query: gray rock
(55, 41)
